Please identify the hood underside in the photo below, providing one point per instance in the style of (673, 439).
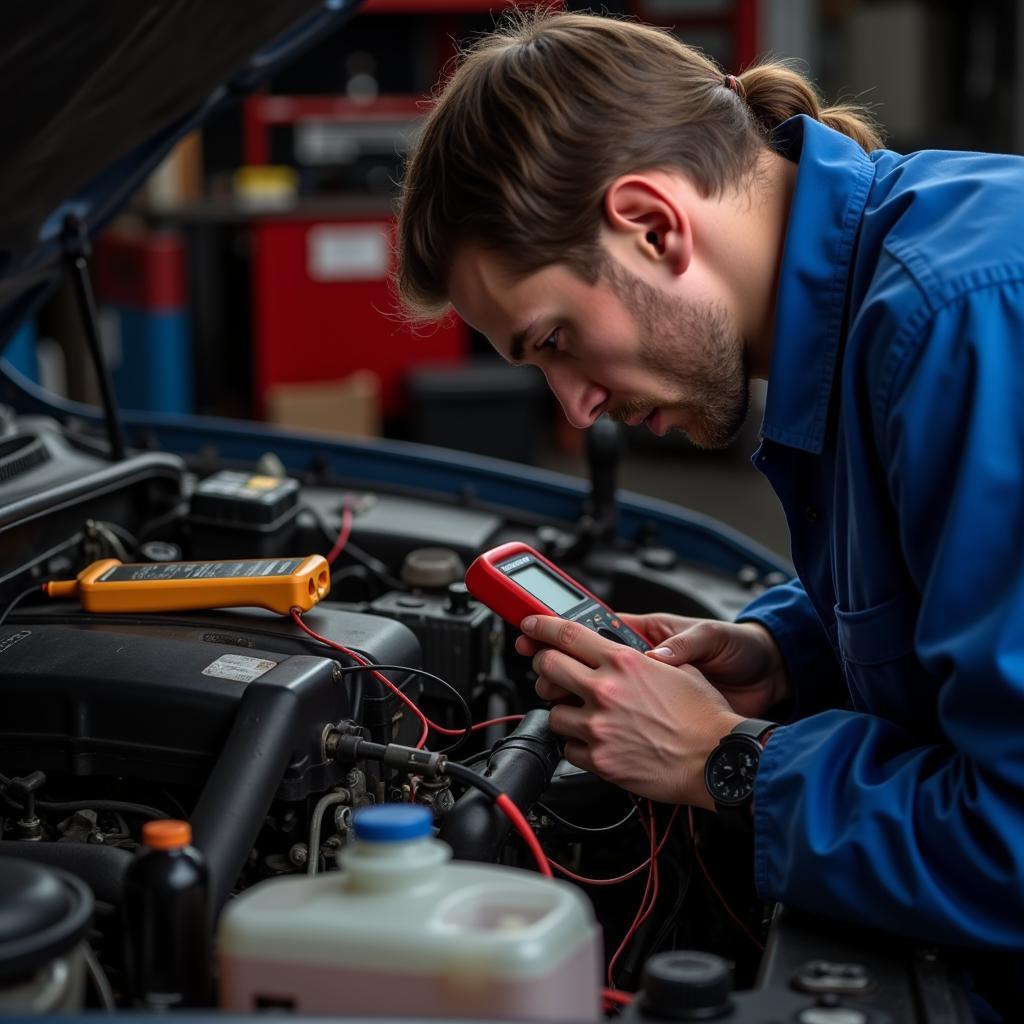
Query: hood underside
(95, 94)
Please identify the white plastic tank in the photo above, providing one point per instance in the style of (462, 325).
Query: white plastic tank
(403, 930)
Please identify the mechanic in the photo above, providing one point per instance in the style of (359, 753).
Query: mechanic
(602, 202)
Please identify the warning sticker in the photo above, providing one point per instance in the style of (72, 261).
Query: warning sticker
(238, 667)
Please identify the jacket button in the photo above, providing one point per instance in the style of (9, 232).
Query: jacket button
(812, 513)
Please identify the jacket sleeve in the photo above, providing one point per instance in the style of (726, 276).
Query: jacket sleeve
(807, 651)
(853, 815)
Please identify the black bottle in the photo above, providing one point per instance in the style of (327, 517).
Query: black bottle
(168, 944)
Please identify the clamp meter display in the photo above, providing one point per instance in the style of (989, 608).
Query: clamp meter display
(514, 580)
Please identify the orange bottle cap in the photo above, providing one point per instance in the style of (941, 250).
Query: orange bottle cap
(166, 834)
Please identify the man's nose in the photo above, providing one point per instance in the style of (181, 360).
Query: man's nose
(582, 400)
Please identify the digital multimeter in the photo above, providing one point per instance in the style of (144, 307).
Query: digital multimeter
(515, 581)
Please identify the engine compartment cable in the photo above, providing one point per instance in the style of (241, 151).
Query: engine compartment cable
(467, 715)
(736, 919)
(650, 896)
(343, 534)
(586, 829)
(36, 588)
(104, 993)
(349, 747)
(428, 725)
(613, 998)
(119, 806)
(360, 660)
(366, 560)
(510, 810)
(618, 879)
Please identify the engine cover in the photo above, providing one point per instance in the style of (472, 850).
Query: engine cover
(154, 697)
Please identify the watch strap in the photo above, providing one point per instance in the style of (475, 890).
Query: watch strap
(755, 728)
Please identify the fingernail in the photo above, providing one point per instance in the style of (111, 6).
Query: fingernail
(663, 652)
(528, 623)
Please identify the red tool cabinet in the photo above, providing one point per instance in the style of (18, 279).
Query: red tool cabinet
(323, 307)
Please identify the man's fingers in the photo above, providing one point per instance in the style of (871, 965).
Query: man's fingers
(693, 646)
(526, 647)
(561, 670)
(658, 626)
(578, 753)
(569, 720)
(583, 644)
(548, 691)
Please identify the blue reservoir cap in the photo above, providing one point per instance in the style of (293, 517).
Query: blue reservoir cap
(393, 823)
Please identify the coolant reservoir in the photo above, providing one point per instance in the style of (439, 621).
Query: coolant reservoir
(403, 930)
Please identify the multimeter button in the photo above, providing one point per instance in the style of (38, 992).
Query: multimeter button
(609, 635)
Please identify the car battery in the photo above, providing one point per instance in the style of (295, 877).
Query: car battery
(234, 514)
(457, 634)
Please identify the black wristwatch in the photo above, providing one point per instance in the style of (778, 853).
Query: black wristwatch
(731, 768)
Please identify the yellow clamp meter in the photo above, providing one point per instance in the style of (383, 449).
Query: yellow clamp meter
(277, 584)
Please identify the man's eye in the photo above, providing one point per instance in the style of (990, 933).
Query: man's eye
(551, 341)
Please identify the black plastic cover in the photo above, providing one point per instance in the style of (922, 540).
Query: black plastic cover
(44, 912)
(155, 697)
(45, 504)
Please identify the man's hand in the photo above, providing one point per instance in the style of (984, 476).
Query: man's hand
(742, 660)
(641, 724)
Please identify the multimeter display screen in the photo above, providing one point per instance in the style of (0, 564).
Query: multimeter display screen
(547, 588)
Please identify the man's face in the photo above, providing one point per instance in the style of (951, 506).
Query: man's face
(621, 347)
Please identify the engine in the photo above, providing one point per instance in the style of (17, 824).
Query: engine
(266, 733)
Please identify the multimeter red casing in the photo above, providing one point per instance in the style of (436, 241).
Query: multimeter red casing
(514, 580)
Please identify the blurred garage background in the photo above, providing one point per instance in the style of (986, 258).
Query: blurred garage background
(250, 276)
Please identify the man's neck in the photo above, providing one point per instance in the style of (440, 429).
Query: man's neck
(746, 238)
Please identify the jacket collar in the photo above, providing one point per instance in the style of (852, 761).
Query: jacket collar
(832, 186)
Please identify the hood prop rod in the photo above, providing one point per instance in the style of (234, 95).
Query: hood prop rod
(75, 241)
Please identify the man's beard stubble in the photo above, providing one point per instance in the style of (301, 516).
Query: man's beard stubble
(691, 347)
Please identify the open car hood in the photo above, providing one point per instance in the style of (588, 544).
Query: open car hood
(98, 94)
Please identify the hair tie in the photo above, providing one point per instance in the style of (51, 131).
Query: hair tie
(731, 83)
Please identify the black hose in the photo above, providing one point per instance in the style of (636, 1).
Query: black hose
(102, 868)
(461, 773)
(521, 766)
(122, 806)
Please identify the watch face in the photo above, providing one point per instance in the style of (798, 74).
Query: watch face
(731, 769)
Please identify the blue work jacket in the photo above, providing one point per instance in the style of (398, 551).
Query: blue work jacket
(894, 437)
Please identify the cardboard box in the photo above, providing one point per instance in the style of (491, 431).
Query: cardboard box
(348, 406)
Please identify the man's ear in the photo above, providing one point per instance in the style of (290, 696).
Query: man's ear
(643, 210)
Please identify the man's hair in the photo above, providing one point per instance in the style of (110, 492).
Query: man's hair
(544, 113)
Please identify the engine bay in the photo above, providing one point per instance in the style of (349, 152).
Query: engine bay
(240, 721)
